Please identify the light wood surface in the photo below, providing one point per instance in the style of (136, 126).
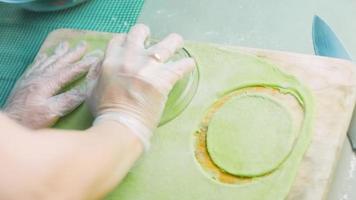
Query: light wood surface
(333, 84)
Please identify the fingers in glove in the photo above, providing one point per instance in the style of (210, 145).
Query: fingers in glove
(73, 71)
(41, 58)
(92, 78)
(70, 57)
(60, 50)
(114, 49)
(137, 36)
(167, 47)
(176, 70)
(74, 54)
(94, 71)
(66, 102)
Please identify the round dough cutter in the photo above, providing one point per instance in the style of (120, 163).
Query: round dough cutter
(183, 91)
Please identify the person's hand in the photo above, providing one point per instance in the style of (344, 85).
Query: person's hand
(35, 102)
(135, 81)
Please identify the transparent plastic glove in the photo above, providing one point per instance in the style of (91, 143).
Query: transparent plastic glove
(135, 81)
(35, 102)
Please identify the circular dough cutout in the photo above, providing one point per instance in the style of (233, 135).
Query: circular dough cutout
(250, 135)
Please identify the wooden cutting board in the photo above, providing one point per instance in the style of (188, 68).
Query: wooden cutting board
(333, 84)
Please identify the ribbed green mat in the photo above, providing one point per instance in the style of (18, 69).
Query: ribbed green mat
(22, 32)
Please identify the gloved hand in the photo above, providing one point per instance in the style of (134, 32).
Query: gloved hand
(34, 101)
(135, 81)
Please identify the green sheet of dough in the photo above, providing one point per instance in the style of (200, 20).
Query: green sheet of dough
(251, 135)
(169, 169)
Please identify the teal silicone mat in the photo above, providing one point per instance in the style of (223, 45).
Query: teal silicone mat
(22, 32)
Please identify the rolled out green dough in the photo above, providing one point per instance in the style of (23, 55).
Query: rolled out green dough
(169, 169)
(251, 135)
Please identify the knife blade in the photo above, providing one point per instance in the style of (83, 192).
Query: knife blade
(326, 43)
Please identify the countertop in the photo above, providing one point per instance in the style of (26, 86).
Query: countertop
(278, 25)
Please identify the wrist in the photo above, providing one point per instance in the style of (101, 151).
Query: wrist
(118, 133)
(135, 126)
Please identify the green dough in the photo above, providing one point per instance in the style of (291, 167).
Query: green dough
(169, 169)
(250, 135)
